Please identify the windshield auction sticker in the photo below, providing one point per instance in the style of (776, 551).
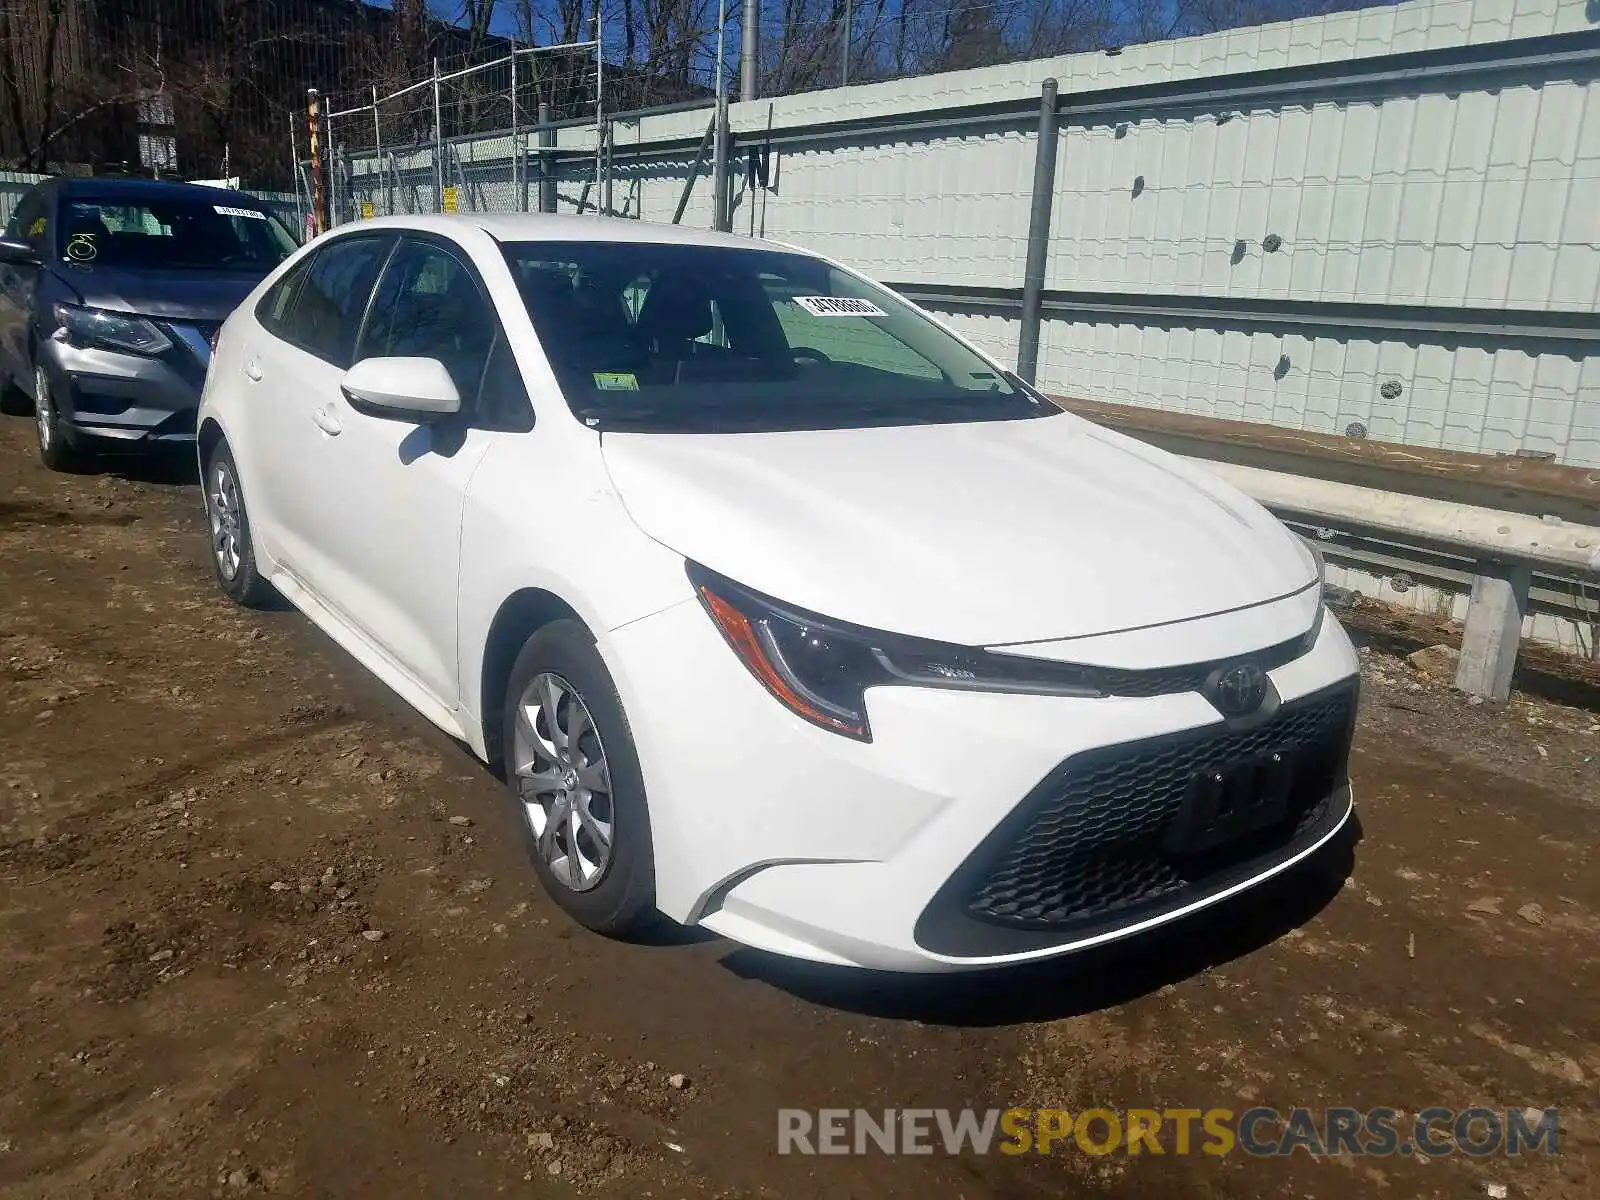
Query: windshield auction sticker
(251, 213)
(839, 306)
(616, 381)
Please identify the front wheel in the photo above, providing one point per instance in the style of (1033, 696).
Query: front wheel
(232, 551)
(573, 772)
(56, 449)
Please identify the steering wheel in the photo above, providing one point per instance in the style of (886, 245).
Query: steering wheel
(800, 353)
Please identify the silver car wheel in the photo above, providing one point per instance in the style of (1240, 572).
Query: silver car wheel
(222, 506)
(43, 411)
(563, 781)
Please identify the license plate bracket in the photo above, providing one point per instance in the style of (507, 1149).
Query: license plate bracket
(1226, 801)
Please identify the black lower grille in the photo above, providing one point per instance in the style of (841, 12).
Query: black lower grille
(1118, 833)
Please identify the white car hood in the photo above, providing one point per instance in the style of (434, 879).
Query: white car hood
(979, 534)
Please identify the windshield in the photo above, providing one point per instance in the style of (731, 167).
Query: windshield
(698, 338)
(192, 233)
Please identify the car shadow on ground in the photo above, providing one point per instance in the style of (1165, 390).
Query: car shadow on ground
(1079, 983)
(160, 468)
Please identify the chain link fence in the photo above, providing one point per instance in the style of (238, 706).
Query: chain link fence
(460, 140)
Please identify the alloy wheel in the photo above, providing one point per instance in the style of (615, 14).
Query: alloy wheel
(43, 410)
(222, 506)
(562, 778)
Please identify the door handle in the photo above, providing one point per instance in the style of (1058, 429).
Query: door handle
(327, 422)
(252, 371)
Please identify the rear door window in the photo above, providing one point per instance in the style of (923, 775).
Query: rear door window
(327, 311)
(275, 305)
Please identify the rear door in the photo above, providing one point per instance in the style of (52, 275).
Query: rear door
(292, 370)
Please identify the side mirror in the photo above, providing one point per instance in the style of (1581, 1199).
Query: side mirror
(17, 253)
(401, 389)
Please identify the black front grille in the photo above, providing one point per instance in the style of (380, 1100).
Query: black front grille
(1108, 838)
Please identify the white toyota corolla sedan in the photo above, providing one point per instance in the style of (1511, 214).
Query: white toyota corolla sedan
(785, 611)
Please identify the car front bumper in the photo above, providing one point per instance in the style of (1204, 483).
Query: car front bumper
(126, 397)
(952, 840)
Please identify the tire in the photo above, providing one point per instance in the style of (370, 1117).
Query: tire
(57, 450)
(233, 554)
(608, 888)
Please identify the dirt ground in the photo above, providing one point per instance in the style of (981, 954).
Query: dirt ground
(262, 931)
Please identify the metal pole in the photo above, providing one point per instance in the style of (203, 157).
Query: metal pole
(599, 96)
(313, 121)
(335, 178)
(611, 151)
(719, 160)
(294, 175)
(1044, 187)
(719, 170)
(547, 174)
(517, 191)
(694, 170)
(377, 146)
(722, 21)
(844, 57)
(750, 50)
(438, 143)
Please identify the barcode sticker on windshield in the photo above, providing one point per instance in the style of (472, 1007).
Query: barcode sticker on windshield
(240, 212)
(839, 306)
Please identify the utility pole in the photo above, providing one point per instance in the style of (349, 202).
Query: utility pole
(750, 51)
(844, 55)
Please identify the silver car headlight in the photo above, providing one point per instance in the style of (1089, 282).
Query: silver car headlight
(115, 331)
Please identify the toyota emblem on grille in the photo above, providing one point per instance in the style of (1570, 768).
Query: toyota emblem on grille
(1239, 690)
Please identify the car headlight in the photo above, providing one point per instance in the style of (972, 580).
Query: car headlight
(820, 669)
(116, 331)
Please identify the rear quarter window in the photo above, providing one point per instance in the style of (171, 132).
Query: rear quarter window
(275, 305)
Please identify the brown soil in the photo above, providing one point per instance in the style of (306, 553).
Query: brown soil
(208, 816)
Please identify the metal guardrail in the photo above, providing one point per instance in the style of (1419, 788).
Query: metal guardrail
(1511, 564)
(1503, 326)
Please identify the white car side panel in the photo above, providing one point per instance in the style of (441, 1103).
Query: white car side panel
(541, 514)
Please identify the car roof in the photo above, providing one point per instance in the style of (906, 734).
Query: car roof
(125, 188)
(554, 227)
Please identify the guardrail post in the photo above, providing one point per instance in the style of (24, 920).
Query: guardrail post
(1044, 188)
(1493, 629)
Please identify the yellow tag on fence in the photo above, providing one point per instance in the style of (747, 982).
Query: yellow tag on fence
(450, 199)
